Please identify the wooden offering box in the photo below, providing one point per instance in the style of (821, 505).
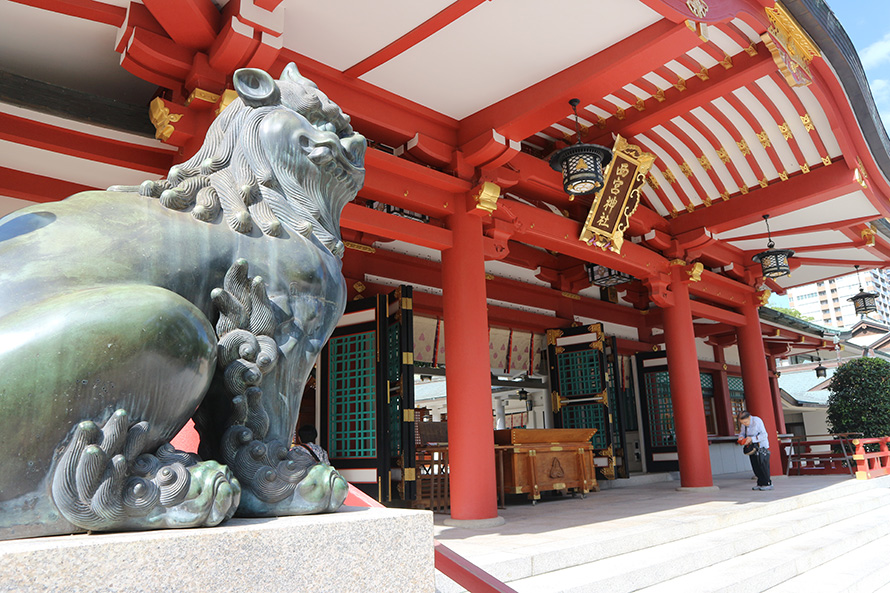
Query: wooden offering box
(531, 460)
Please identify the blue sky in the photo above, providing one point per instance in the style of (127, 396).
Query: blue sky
(867, 22)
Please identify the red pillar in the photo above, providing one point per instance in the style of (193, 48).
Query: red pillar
(468, 373)
(686, 396)
(758, 395)
(722, 403)
(777, 395)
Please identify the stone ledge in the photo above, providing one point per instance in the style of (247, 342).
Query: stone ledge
(354, 549)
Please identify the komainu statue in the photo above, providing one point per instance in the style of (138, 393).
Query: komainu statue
(207, 295)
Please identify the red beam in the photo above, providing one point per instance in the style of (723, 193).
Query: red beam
(802, 190)
(37, 188)
(389, 226)
(706, 311)
(432, 25)
(84, 9)
(538, 106)
(698, 92)
(378, 114)
(190, 23)
(53, 138)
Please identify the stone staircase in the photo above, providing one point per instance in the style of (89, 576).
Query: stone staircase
(827, 540)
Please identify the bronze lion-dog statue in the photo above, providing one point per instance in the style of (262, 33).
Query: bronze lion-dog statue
(206, 295)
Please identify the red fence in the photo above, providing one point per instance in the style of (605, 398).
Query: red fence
(872, 464)
(820, 454)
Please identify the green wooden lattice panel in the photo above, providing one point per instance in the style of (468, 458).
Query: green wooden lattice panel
(395, 426)
(588, 416)
(736, 387)
(352, 377)
(707, 384)
(394, 352)
(579, 373)
(661, 410)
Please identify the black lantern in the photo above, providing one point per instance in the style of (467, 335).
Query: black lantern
(773, 262)
(864, 302)
(523, 396)
(606, 277)
(581, 164)
(821, 371)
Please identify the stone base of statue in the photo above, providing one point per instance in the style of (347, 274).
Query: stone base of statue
(355, 549)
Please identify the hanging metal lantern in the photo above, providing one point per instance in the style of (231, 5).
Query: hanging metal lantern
(605, 277)
(773, 262)
(864, 302)
(821, 371)
(581, 164)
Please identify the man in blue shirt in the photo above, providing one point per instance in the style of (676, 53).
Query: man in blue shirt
(754, 433)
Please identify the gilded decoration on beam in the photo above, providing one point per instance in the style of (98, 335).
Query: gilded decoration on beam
(686, 169)
(640, 105)
(227, 97)
(668, 176)
(764, 139)
(694, 271)
(744, 189)
(677, 262)
(762, 297)
(764, 182)
(751, 50)
(600, 122)
(359, 247)
(805, 168)
(486, 196)
(571, 295)
(553, 335)
(659, 95)
(202, 95)
(690, 207)
(616, 202)
(707, 202)
(724, 156)
(703, 74)
(791, 48)
(868, 235)
(619, 113)
(674, 213)
(653, 182)
(724, 196)
(783, 176)
(359, 287)
(704, 162)
(700, 29)
(826, 160)
(680, 85)
(807, 122)
(697, 7)
(786, 131)
(743, 146)
(162, 119)
(726, 62)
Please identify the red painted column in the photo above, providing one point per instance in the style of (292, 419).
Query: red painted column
(777, 395)
(758, 395)
(468, 372)
(722, 403)
(686, 396)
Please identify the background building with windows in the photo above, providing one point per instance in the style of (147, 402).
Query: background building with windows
(827, 302)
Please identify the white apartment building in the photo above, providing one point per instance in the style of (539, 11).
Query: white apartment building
(827, 302)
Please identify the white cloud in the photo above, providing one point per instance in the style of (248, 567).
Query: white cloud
(876, 54)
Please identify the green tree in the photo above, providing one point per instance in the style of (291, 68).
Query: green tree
(791, 312)
(860, 398)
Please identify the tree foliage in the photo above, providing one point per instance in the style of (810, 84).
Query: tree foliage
(791, 312)
(860, 398)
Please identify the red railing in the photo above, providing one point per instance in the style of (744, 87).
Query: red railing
(448, 562)
(872, 464)
(835, 456)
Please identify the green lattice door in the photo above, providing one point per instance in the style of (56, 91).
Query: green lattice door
(659, 435)
(366, 408)
(581, 378)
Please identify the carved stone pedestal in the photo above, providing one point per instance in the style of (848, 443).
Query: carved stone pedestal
(355, 549)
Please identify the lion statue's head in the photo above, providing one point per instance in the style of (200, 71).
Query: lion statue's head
(281, 154)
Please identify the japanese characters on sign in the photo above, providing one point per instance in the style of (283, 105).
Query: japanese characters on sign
(616, 202)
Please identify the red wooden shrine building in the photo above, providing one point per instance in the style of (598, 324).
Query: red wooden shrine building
(748, 108)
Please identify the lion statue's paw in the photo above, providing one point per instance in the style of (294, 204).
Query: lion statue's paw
(105, 481)
(322, 490)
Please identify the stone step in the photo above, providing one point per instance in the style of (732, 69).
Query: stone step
(774, 564)
(700, 546)
(863, 570)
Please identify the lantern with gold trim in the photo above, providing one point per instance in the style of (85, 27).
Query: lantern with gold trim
(864, 302)
(773, 262)
(581, 164)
